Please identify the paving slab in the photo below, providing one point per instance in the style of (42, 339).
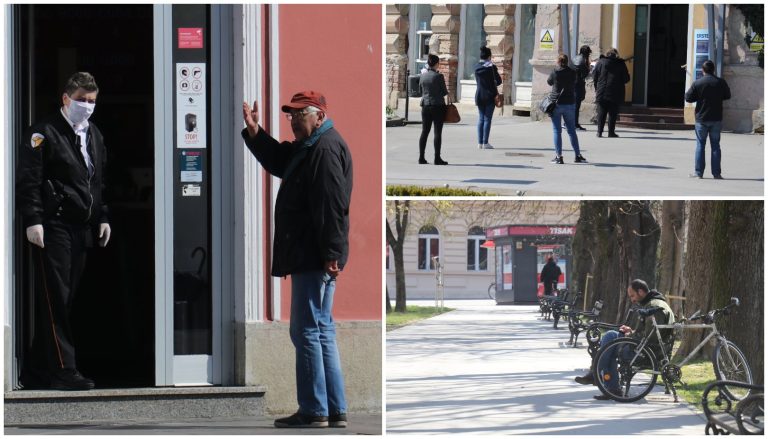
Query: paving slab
(641, 163)
(487, 369)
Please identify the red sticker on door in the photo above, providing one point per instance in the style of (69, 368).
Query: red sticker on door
(190, 38)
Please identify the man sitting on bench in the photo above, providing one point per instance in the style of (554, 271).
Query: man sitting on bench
(638, 293)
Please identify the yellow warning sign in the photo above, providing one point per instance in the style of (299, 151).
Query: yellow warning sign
(757, 43)
(547, 40)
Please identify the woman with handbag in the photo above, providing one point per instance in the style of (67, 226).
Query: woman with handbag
(487, 79)
(563, 82)
(433, 91)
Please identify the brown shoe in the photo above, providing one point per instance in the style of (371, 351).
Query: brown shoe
(586, 380)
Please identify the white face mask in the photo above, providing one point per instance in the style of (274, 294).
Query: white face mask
(79, 112)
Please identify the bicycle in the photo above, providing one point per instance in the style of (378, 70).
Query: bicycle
(492, 291)
(638, 368)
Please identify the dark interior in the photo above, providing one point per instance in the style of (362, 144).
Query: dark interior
(666, 53)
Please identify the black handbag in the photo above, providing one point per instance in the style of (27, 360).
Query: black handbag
(547, 105)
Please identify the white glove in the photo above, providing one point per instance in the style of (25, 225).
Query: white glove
(35, 235)
(104, 233)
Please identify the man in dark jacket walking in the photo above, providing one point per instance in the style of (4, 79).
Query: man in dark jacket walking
(708, 92)
(582, 67)
(60, 183)
(550, 275)
(610, 74)
(311, 244)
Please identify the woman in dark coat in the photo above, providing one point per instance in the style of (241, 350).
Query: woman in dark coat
(582, 71)
(563, 82)
(610, 74)
(487, 79)
(433, 91)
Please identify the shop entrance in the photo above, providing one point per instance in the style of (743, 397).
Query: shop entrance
(667, 48)
(525, 272)
(114, 324)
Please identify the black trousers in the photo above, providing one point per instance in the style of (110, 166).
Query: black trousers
(578, 107)
(431, 114)
(610, 109)
(58, 269)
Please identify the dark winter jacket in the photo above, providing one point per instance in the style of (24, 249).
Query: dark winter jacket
(550, 273)
(312, 206)
(563, 79)
(433, 89)
(610, 74)
(708, 92)
(487, 79)
(581, 64)
(53, 179)
(666, 317)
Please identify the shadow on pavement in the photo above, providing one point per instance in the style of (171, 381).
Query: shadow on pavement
(619, 165)
(494, 181)
(491, 165)
(657, 138)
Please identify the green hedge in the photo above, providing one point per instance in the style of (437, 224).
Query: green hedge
(418, 191)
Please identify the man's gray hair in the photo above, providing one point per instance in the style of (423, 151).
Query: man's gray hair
(82, 80)
(311, 109)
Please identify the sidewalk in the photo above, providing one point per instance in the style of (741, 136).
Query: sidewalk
(486, 369)
(641, 163)
(359, 423)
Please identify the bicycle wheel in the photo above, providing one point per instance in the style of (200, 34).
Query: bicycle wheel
(492, 291)
(635, 368)
(730, 364)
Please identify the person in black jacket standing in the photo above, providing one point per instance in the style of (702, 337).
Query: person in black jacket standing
(610, 74)
(311, 244)
(487, 79)
(550, 275)
(563, 81)
(433, 91)
(60, 183)
(708, 92)
(581, 63)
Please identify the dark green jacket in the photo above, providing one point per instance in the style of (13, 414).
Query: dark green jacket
(666, 317)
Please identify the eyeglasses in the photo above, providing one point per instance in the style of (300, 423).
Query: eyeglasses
(298, 114)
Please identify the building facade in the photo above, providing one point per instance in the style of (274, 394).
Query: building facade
(664, 45)
(458, 237)
(182, 295)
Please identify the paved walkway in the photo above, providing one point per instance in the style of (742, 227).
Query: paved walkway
(359, 423)
(641, 163)
(486, 369)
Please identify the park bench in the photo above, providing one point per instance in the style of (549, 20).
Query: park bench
(727, 414)
(561, 308)
(595, 329)
(578, 321)
(545, 302)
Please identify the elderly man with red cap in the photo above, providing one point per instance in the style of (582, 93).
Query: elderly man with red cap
(310, 244)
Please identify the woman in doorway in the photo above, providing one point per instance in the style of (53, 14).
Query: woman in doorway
(433, 91)
(563, 82)
(487, 79)
(610, 75)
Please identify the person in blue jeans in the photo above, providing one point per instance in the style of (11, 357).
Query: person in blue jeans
(563, 82)
(487, 79)
(638, 293)
(311, 244)
(708, 92)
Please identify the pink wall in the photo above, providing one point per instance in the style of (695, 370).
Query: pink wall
(336, 50)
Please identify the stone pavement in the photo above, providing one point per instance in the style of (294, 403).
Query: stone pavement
(486, 369)
(641, 163)
(359, 423)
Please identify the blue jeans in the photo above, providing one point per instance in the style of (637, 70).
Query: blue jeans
(713, 130)
(568, 114)
(608, 366)
(484, 122)
(319, 382)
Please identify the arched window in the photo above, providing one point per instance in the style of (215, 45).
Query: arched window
(477, 256)
(429, 247)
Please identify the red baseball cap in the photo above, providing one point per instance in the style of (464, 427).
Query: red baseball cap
(305, 99)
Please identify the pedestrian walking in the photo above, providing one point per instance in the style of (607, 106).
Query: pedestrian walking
(708, 92)
(311, 245)
(582, 66)
(609, 75)
(563, 82)
(433, 92)
(487, 79)
(550, 275)
(62, 161)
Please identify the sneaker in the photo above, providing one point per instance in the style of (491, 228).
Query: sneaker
(580, 128)
(338, 421)
(439, 161)
(487, 146)
(297, 420)
(480, 146)
(586, 379)
(602, 397)
(580, 159)
(557, 160)
(717, 177)
(423, 162)
(70, 379)
(694, 175)
(599, 134)
(613, 135)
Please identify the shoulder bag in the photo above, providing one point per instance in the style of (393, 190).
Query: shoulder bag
(451, 113)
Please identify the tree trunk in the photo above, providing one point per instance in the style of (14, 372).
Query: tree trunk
(725, 259)
(388, 302)
(671, 252)
(615, 242)
(396, 243)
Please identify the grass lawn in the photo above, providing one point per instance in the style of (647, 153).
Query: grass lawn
(696, 376)
(412, 314)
